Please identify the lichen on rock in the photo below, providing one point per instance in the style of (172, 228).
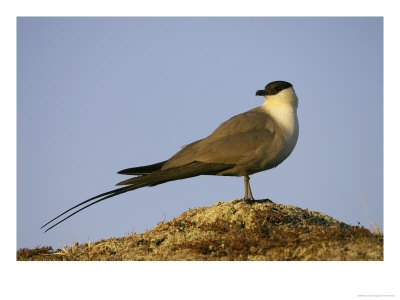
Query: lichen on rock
(237, 230)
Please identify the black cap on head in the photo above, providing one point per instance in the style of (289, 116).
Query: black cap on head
(273, 88)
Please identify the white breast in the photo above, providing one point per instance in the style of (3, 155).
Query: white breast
(286, 117)
(283, 109)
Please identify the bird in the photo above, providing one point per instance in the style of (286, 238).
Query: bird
(248, 143)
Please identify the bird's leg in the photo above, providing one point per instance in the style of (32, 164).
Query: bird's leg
(246, 187)
(250, 194)
(247, 190)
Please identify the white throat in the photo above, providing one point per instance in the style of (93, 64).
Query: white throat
(282, 107)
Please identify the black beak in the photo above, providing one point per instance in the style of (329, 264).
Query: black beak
(261, 93)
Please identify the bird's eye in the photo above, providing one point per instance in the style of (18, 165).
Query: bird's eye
(278, 89)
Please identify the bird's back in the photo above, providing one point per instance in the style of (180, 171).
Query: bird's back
(245, 140)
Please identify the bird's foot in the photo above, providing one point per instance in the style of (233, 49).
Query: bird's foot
(248, 200)
(252, 201)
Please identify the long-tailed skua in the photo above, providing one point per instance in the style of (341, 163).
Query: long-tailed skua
(251, 142)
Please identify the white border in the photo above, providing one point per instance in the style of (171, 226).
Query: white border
(297, 280)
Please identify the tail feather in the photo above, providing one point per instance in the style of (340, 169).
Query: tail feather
(113, 192)
(152, 179)
(143, 170)
(190, 170)
(116, 192)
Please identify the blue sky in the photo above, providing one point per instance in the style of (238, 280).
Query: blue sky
(97, 95)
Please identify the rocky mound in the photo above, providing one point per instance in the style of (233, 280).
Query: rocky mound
(238, 230)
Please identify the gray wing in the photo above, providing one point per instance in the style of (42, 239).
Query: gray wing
(243, 139)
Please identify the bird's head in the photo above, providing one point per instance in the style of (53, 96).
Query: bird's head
(278, 93)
